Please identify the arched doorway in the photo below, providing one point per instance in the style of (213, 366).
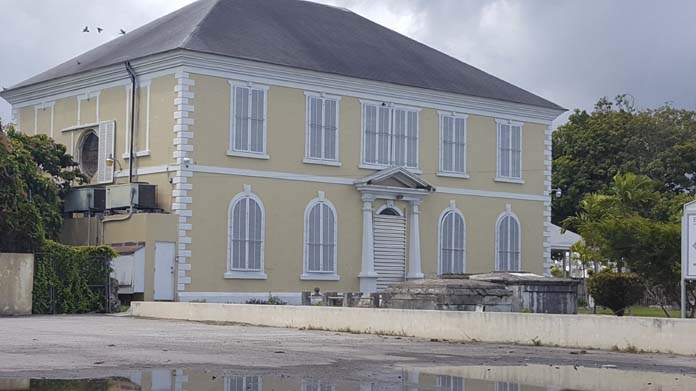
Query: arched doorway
(390, 245)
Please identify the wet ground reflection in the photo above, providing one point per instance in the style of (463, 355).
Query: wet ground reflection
(473, 378)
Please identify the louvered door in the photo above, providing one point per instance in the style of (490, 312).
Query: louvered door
(390, 249)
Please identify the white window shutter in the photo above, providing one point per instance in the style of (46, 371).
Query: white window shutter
(106, 133)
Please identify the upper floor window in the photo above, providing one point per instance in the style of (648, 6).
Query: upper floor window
(449, 383)
(243, 383)
(452, 242)
(315, 385)
(248, 125)
(390, 136)
(508, 243)
(500, 386)
(509, 150)
(320, 240)
(453, 144)
(322, 129)
(245, 237)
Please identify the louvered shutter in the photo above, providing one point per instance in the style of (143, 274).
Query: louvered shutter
(257, 120)
(105, 173)
(330, 129)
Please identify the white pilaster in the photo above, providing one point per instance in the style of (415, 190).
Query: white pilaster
(368, 275)
(183, 153)
(414, 251)
(548, 142)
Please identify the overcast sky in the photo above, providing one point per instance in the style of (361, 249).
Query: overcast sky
(570, 52)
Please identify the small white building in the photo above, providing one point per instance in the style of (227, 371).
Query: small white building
(561, 242)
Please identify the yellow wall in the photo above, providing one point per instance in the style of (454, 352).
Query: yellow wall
(145, 227)
(285, 203)
(112, 104)
(284, 200)
(286, 140)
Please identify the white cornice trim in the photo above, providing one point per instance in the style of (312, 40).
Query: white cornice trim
(257, 72)
(325, 179)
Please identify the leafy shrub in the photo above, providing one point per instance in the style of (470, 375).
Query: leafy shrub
(71, 272)
(616, 291)
(556, 272)
(272, 300)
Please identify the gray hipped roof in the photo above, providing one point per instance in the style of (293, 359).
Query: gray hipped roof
(298, 34)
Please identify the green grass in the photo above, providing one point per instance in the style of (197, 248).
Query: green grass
(634, 311)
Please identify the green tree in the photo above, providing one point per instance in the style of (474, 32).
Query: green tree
(634, 226)
(591, 148)
(35, 173)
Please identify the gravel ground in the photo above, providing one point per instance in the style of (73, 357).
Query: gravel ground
(96, 346)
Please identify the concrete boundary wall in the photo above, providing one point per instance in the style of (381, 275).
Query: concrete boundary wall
(16, 284)
(576, 331)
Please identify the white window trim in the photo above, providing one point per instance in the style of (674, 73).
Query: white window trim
(80, 143)
(453, 209)
(454, 116)
(312, 160)
(498, 177)
(317, 275)
(245, 385)
(508, 212)
(392, 107)
(42, 107)
(243, 153)
(241, 273)
(144, 152)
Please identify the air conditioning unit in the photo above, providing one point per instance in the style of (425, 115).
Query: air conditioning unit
(142, 196)
(84, 199)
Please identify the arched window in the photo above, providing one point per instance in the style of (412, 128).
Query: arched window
(320, 237)
(507, 243)
(245, 232)
(452, 241)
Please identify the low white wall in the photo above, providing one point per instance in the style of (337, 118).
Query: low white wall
(579, 331)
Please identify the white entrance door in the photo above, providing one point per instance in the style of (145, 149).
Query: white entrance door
(164, 271)
(390, 249)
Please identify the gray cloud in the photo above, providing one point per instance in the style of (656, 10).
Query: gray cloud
(571, 52)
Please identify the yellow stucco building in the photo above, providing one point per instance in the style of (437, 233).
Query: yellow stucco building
(295, 145)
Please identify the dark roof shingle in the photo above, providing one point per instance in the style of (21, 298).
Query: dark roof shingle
(298, 34)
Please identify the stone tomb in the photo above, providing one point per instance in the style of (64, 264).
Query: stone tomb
(452, 294)
(535, 293)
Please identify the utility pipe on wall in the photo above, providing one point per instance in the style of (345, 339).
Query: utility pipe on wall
(131, 155)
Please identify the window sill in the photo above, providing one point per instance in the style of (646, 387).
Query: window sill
(254, 155)
(145, 152)
(245, 275)
(518, 181)
(320, 277)
(453, 174)
(333, 163)
(380, 167)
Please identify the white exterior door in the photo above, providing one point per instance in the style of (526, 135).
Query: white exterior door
(390, 249)
(164, 271)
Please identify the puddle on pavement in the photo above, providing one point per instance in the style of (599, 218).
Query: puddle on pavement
(471, 378)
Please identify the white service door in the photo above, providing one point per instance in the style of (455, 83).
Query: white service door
(164, 271)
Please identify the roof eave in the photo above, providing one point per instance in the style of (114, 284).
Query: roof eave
(259, 70)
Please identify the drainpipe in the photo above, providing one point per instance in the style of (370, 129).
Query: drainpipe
(131, 74)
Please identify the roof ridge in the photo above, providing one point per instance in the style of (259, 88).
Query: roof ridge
(189, 36)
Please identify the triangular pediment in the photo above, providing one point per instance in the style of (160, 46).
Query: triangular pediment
(395, 177)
